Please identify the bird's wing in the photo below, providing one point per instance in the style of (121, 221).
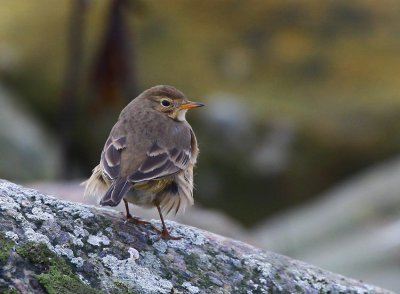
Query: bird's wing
(158, 162)
(111, 163)
(111, 156)
(162, 161)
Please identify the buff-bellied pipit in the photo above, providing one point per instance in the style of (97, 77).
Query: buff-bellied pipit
(149, 156)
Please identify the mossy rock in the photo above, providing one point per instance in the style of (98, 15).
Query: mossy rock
(65, 247)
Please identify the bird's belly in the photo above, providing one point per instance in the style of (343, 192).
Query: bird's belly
(141, 197)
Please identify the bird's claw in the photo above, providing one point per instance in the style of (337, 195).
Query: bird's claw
(165, 235)
(136, 220)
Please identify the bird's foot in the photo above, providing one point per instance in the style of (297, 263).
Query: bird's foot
(136, 220)
(165, 235)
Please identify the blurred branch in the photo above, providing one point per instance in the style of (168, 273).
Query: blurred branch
(113, 75)
(69, 94)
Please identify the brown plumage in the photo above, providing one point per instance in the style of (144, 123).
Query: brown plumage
(149, 156)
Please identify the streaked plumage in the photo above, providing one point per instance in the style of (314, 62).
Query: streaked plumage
(149, 156)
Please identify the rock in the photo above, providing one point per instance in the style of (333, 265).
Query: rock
(215, 221)
(30, 151)
(353, 228)
(53, 246)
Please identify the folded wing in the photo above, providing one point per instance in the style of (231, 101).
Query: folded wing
(161, 162)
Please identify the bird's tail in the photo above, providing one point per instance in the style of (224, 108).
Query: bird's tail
(116, 192)
(95, 186)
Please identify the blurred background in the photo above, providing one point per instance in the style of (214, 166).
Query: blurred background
(300, 138)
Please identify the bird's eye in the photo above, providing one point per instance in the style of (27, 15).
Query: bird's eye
(165, 103)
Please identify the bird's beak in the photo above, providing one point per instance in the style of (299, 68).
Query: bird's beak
(190, 104)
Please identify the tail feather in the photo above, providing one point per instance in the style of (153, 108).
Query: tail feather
(115, 193)
(95, 185)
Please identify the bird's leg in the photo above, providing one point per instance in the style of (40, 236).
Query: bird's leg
(128, 215)
(136, 220)
(164, 232)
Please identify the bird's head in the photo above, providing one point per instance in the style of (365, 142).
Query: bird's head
(170, 101)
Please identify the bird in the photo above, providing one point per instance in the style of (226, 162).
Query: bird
(149, 156)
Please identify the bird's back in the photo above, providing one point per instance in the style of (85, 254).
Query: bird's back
(142, 129)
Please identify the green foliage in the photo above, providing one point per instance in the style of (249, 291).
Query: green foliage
(57, 275)
(11, 291)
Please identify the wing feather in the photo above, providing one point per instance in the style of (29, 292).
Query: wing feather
(161, 162)
(115, 193)
(111, 156)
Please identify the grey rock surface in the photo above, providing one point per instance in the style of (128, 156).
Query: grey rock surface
(53, 246)
(215, 221)
(353, 229)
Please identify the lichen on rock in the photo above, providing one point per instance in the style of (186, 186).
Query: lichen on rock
(6, 244)
(53, 246)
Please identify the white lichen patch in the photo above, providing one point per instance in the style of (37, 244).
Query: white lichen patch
(80, 232)
(190, 236)
(7, 203)
(83, 279)
(265, 269)
(308, 276)
(161, 246)
(24, 223)
(35, 237)
(98, 239)
(39, 214)
(78, 261)
(77, 241)
(236, 262)
(203, 257)
(192, 289)
(51, 201)
(11, 235)
(37, 202)
(150, 261)
(77, 210)
(135, 277)
(25, 203)
(64, 251)
(133, 253)
(222, 257)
